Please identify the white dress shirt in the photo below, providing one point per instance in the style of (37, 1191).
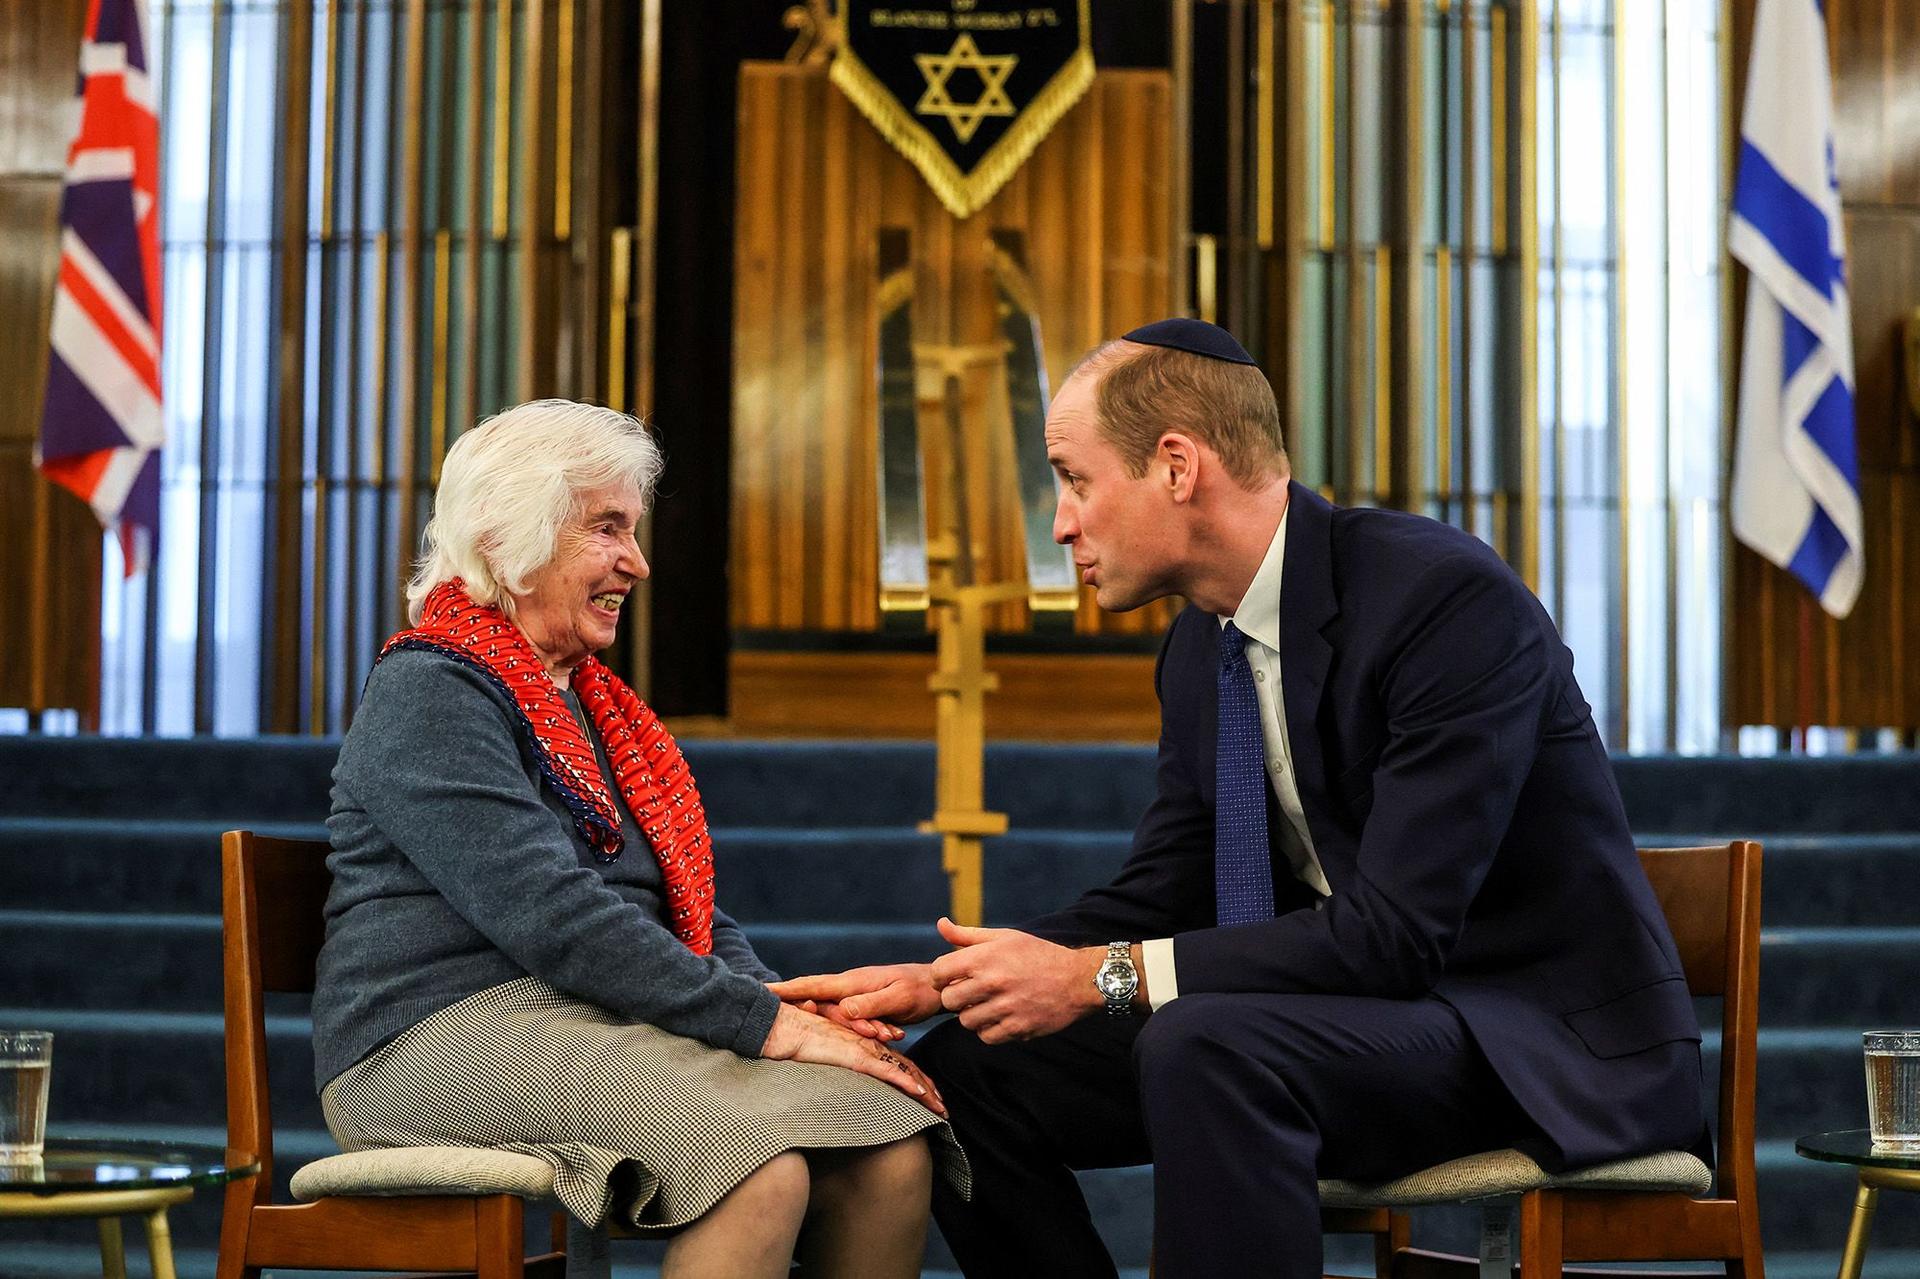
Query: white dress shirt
(1258, 618)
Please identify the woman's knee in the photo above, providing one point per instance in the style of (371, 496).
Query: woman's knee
(782, 1185)
(899, 1172)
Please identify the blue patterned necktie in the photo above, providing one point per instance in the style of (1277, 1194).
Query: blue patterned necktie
(1242, 867)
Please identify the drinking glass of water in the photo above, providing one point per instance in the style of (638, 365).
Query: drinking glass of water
(26, 1059)
(1893, 1088)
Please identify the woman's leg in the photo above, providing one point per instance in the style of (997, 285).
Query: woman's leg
(750, 1232)
(868, 1216)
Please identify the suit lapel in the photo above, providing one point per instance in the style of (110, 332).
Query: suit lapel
(1307, 604)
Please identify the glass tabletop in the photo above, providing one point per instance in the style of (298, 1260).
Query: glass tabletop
(71, 1165)
(1854, 1146)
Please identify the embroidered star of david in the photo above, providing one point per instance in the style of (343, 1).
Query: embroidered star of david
(993, 72)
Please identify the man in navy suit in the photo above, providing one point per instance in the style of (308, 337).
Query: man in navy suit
(1383, 911)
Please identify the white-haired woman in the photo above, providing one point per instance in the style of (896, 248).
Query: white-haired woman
(522, 946)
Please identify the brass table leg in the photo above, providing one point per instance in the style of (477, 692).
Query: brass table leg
(1855, 1255)
(113, 1249)
(160, 1244)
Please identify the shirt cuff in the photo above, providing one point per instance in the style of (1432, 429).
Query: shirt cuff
(1163, 986)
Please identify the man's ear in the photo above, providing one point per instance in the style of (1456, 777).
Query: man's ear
(1178, 463)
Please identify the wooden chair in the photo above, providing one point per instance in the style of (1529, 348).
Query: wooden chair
(1635, 1210)
(423, 1209)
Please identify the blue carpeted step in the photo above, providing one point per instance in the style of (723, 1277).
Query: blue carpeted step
(96, 960)
(121, 863)
(1855, 793)
(258, 779)
(1825, 879)
(105, 1066)
(172, 962)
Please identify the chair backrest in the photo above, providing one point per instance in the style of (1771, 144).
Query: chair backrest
(1711, 897)
(273, 895)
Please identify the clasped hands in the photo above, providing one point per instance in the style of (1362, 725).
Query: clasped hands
(1004, 984)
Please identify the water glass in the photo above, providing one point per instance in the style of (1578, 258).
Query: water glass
(1893, 1088)
(26, 1060)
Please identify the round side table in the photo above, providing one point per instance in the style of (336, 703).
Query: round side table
(1878, 1170)
(106, 1179)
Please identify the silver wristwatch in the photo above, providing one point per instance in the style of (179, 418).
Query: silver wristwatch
(1117, 979)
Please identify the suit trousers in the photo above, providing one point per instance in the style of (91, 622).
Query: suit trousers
(1240, 1101)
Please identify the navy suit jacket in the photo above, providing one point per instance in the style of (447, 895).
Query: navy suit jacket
(1466, 816)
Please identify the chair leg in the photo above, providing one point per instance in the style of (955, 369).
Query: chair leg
(1397, 1235)
(1541, 1252)
(499, 1237)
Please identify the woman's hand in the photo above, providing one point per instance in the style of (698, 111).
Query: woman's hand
(865, 1027)
(805, 1036)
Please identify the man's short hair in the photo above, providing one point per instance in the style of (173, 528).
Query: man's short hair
(1146, 391)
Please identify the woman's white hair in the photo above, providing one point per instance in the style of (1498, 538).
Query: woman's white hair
(510, 484)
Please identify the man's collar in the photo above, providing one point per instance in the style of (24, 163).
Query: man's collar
(1258, 617)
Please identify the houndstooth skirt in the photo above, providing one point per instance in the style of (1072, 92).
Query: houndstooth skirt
(637, 1122)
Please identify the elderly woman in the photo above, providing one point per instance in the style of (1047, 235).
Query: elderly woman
(523, 948)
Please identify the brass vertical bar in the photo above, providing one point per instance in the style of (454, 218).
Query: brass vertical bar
(1326, 157)
(639, 303)
(1264, 221)
(1497, 109)
(1235, 230)
(382, 277)
(323, 486)
(1356, 298)
(1669, 508)
(1180, 62)
(563, 124)
(1469, 237)
(474, 238)
(39, 597)
(1558, 427)
(1206, 255)
(1443, 375)
(281, 686)
(329, 119)
(407, 409)
(502, 114)
(442, 301)
(357, 625)
(1409, 364)
(1729, 381)
(1383, 491)
(619, 298)
(1622, 421)
(532, 119)
(1293, 232)
(212, 365)
(1529, 283)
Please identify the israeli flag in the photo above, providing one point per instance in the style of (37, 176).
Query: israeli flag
(1796, 475)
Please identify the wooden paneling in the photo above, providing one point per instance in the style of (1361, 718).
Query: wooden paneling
(49, 542)
(1056, 697)
(1855, 672)
(816, 185)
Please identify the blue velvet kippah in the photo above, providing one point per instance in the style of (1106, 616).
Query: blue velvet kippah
(1196, 336)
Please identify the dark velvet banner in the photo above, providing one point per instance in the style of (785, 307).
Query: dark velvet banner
(967, 88)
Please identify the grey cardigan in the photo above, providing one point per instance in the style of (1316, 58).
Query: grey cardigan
(456, 868)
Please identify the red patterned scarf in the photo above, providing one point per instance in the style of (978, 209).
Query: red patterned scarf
(651, 772)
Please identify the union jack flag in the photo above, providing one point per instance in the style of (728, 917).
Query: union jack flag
(101, 428)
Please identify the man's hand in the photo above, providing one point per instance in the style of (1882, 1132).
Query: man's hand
(883, 992)
(1008, 985)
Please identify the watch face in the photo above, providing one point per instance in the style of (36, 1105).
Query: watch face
(1117, 981)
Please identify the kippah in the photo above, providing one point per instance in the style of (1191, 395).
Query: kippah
(1196, 336)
